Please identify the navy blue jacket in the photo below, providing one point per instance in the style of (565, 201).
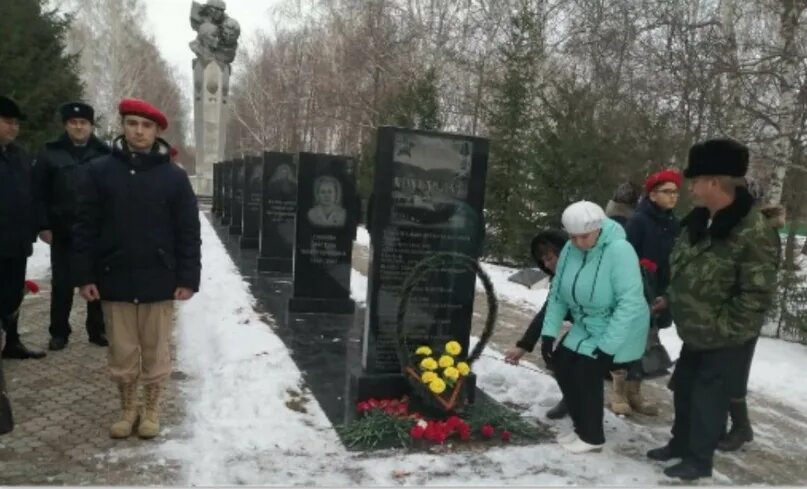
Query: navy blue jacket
(56, 172)
(652, 232)
(137, 231)
(19, 212)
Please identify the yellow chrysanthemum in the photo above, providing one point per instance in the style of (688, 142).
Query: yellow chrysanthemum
(451, 373)
(428, 363)
(423, 350)
(428, 377)
(453, 348)
(446, 361)
(463, 368)
(437, 386)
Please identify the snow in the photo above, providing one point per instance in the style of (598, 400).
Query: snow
(38, 267)
(512, 292)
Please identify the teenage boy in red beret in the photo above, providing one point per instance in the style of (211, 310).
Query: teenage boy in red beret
(652, 230)
(137, 249)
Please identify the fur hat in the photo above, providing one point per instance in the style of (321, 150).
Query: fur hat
(725, 157)
(659, 178)
(10, 109)
(77, 110)
(583, 217)
(133, 106)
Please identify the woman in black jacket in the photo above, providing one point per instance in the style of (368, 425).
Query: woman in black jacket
(545, 248)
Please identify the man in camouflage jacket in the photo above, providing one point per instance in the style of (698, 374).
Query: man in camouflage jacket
(723, 277)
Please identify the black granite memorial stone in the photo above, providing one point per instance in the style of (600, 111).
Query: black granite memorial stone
(325, 229)
(253, 194)
(214, 208)
(278, 209)
(428, 197)
(237, 201)
(226, 193)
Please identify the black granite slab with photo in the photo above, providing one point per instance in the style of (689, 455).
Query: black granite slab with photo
(237, 200)
(325, 229)
(428, 197)
(278, 211)
(226, 193)
(251, 208)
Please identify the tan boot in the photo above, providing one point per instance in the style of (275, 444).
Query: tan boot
(150, 420)
(637, 401)
(128, 399)
(619, 403)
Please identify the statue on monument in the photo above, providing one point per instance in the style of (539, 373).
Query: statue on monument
(216, 33)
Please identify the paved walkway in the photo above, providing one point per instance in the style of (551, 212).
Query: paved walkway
(63, 405)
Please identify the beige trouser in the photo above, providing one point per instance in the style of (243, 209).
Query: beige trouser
(139, 340)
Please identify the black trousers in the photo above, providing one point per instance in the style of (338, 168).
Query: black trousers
(702, 384)
(61, 302)
(739, 388)
(12, 283)
(580, 379)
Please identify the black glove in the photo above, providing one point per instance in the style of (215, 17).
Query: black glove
(605, 360)
(547, 345)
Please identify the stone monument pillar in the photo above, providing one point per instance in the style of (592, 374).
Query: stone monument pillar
(215, 46)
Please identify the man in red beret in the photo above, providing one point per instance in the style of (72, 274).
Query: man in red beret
(652, 231)
(137, 249)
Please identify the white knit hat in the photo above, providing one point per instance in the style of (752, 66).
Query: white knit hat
(583, 217)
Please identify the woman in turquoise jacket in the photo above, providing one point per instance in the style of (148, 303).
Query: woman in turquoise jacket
(600, 283)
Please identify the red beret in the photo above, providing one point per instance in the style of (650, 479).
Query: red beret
(133, 106)
(665, 176)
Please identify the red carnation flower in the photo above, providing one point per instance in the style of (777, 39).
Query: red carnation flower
(464, 430)
(416, 432)
(506, 435)
(648, 265)
(362, 407)
(487, 431)
(31, 287)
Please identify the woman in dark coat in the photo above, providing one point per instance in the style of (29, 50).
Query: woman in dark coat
(545, 249)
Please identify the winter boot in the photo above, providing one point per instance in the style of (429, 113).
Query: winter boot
(619, 402)
(637, 402)
(150, 420)
(128, 400)
(740, 431)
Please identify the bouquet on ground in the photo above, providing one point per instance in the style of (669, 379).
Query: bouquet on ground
(440, 374)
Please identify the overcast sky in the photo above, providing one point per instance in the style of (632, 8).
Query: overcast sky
(168, 21)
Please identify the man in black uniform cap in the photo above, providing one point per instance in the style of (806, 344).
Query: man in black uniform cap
(18, 225)
(57, 169)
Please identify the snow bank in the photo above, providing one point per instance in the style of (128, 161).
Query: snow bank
(242, 383)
